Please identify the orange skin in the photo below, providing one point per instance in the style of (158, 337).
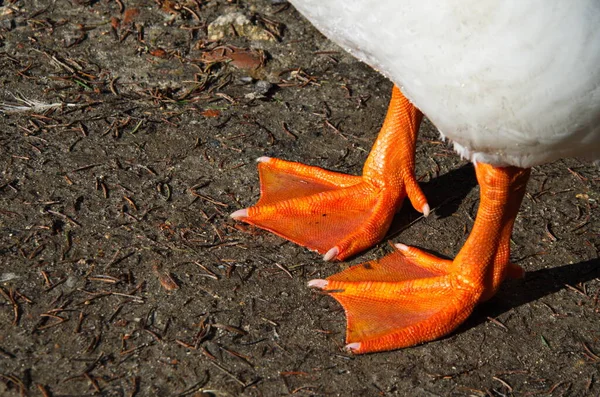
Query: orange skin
(408, 297)
(337, 214)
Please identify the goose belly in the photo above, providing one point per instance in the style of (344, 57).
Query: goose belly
(510, 83)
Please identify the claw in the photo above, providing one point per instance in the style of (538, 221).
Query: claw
(263, 159)
(239, 214)
(401, 247)
(331, 254)
(318, 283)
(352, 347)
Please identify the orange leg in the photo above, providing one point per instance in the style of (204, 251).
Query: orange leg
(410, 296)
(336, 214)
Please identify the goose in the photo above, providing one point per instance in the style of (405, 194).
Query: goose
(512, 84)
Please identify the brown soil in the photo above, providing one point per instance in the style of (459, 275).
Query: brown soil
(122, 275)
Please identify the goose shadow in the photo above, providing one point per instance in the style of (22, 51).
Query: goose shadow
(444, 194)
(534, 286)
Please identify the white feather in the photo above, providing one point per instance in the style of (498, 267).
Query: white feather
(514, 82)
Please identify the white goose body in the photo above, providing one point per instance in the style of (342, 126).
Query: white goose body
(510, 83)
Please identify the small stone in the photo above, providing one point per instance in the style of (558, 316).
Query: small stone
(236, 24)
(262, 87)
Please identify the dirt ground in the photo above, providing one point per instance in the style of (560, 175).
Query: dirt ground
(129, 131)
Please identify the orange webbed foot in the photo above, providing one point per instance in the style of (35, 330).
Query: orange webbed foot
(403, 299)
(410, 296)
(340, 215)
(335, 214)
